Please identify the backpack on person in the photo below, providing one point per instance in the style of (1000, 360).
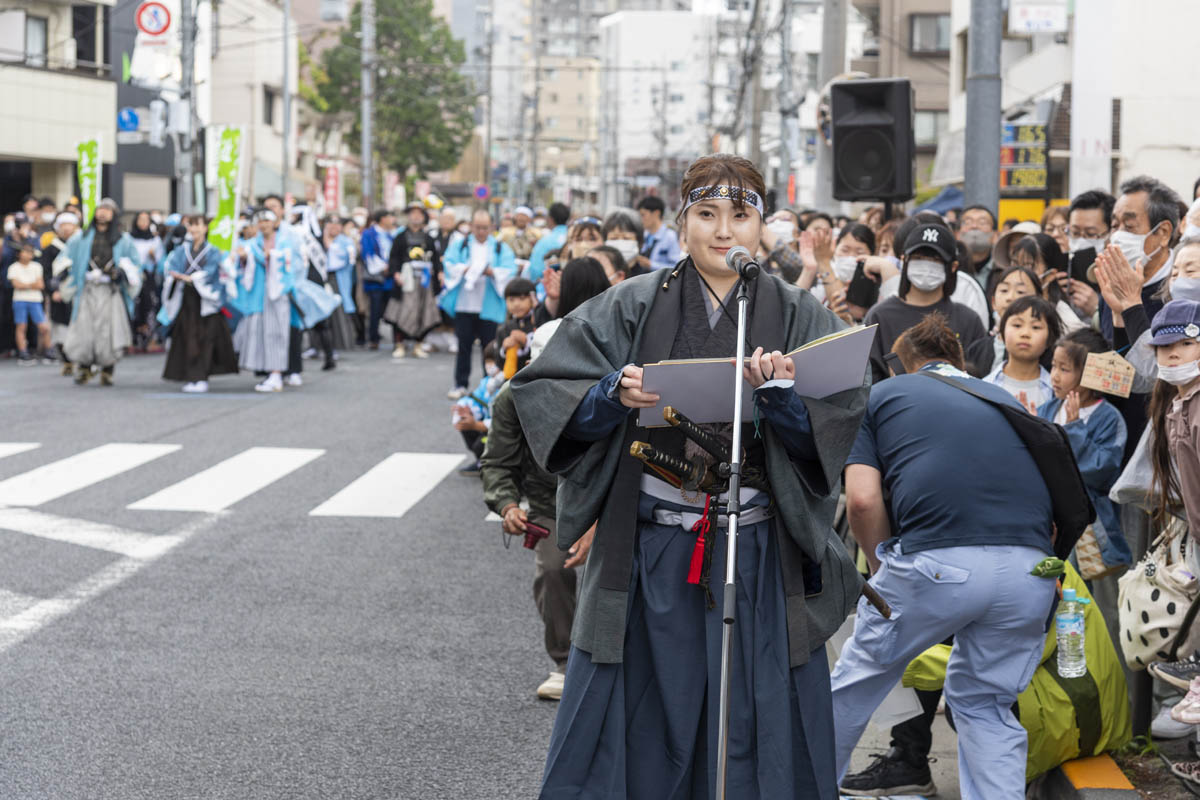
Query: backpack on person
(1051, 451)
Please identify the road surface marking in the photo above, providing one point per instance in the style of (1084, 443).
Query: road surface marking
(85, 533)
(13, 603)
(12, 448)
(391, 487)
(16, 627)
(234, 479)
(59, 478)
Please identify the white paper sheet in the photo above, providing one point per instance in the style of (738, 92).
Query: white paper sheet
(702, 389)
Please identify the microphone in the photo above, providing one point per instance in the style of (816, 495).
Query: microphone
(740, 261)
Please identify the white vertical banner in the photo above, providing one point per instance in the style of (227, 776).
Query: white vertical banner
(1091, 97)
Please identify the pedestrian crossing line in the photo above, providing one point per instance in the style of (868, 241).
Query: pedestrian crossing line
(236, 478)
(12, 448)
(85, 533)
(13, 603)
(17, 627)
(58, 478)
(391, 487)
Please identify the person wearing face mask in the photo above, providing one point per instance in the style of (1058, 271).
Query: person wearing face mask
(645, 627)
(622, 231)
(977, 230)
(1175, 417)
(1089, 218)
(780, 244)
(44, 226)
(1145, 220)
(928, 277)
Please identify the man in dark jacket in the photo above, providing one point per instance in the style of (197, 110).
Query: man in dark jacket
(510, 473)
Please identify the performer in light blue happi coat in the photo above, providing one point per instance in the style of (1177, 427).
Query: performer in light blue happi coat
(193, 293)
(104, 280)
(264, 287)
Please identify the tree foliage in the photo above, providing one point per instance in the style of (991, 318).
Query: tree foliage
(424, 106)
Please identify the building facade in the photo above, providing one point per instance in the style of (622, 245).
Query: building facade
(56, 62)
(911, 39)
(1098, 67)
(248, 70)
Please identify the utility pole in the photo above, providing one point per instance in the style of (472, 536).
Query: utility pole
(831, 63)
(754, 133)
(537, 124)
(287, 99)
(787, 98)
(487, 140)
(662, 136)
(981, 172)
(185, 156)
(367, 146)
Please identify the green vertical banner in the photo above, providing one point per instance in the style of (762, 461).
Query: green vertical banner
(229, 159)
(87, 156)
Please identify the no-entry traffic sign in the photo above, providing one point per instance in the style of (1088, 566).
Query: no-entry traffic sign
(152, 18)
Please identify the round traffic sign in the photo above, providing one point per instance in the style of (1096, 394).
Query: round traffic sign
(482, 192)
(152, 18)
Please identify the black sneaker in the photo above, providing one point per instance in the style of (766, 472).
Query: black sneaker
(1177, 673)
(470, 470)
(889, 775)
(24, 359)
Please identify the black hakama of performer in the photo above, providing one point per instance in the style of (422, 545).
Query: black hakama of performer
(200, 346)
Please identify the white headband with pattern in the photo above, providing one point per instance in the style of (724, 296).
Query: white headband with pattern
(724, 192)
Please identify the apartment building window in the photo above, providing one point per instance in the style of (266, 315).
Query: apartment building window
(929, 34)
(35, 40)
(269, 106)
(929, 126)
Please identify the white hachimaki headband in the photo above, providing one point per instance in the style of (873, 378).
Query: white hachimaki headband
(723, 192)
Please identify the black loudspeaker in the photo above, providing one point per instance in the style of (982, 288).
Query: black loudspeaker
(873, 150)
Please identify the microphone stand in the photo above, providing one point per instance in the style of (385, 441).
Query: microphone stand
(734, 504)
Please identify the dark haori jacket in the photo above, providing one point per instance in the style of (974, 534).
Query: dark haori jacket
(402, 246)
(636, 322)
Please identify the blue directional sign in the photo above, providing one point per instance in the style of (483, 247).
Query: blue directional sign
(127, 119)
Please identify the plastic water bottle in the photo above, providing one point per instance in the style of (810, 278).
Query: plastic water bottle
(1068, 623)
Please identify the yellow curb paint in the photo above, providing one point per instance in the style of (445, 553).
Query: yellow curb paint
(1098, 772)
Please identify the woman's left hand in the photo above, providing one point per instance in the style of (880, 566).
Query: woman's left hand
(765, 367)
(579, 551)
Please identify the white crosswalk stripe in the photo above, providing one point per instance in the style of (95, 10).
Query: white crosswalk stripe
(67, 475)
(22, 616)
(85, 533)
(234, 479)
(12, 448)
(391, 487)
(388, 490)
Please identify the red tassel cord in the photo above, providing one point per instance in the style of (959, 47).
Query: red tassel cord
(701, 528)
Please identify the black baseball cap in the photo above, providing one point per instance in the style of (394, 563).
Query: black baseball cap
(935, 238)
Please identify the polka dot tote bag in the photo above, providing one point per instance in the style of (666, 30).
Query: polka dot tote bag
(1155, 597)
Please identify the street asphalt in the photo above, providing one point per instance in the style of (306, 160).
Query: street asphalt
(272, 654)
(264, 652)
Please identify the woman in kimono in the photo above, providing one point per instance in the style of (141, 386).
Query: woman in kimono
(263, 287)
(103, 284)
(200, 343)
(638, 717)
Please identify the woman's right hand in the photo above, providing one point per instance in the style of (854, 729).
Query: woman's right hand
(631, 394)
